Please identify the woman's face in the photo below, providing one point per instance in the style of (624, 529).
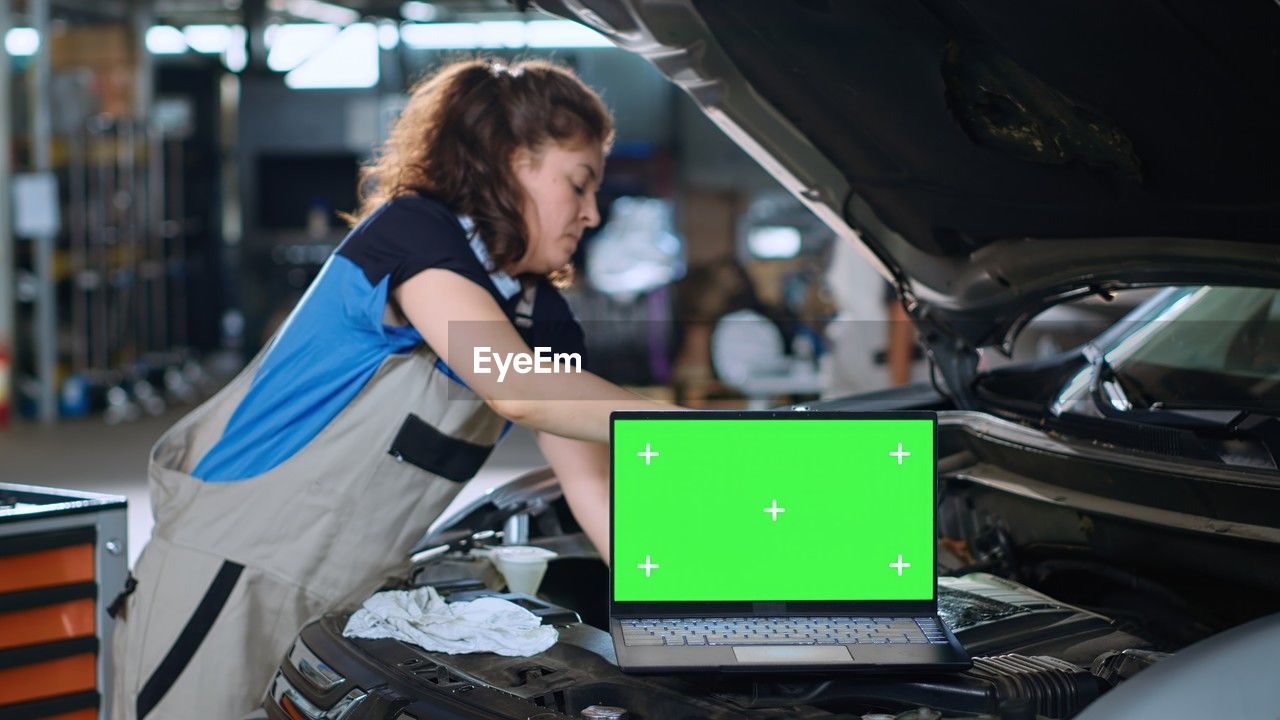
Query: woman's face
(560, 184)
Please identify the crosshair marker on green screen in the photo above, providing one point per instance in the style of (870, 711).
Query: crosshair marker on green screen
(773, 509)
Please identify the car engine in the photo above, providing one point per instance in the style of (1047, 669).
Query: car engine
(1034, 657)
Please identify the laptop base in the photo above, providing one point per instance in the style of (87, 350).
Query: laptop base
(800, 658)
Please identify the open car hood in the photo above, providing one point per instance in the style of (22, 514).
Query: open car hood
(996, 158)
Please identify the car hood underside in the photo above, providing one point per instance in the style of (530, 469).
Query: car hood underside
(996, 158)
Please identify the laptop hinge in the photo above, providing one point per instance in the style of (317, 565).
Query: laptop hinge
(769, 608)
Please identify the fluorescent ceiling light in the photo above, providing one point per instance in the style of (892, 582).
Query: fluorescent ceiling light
(208, 39)
(237, 56)
(322, 11)
(165, 40)
(419, 11)
(21, 41)
(499, 35)
(350, 61)
(290, 45)
(388, 35)
(440, 36)
(774, 241)
(563, 34)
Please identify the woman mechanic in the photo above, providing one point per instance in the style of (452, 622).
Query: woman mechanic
(304, 483)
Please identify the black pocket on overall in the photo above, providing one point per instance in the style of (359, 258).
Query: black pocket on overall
(426, 447)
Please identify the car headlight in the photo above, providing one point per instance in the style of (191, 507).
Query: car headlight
(317, 673)
(287, 698)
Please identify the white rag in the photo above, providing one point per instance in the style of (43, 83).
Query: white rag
(420, 616)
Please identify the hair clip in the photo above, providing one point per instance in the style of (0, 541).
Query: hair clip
(498, 69)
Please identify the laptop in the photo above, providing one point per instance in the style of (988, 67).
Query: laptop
(775, 541)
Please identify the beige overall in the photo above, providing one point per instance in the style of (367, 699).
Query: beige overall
(235, 569)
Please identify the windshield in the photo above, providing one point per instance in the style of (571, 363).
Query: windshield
(1201, 347)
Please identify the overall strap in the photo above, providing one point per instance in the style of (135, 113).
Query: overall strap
(197, 627)
(523, 319)
(524, 308)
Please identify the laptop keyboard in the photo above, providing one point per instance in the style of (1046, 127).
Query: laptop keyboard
(781, 631)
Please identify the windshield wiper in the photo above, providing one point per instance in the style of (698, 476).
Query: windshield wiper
(1196, 422)
(1228, 417)
(1113, 401)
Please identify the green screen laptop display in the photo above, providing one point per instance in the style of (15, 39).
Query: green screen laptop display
(723, 509)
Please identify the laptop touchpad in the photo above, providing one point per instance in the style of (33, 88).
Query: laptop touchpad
(780, 654)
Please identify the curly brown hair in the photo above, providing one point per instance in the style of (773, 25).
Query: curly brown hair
(455, 139)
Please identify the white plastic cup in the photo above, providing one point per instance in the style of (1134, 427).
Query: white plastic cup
(522, 566)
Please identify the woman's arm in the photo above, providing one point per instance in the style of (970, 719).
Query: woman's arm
(455, 316)
(583, 471)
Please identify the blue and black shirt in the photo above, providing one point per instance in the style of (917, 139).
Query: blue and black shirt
(334, 341)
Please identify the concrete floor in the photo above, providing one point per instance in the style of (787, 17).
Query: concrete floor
(91, 456)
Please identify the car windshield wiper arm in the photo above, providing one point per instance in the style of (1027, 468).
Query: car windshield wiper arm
(1233, 417)
(1188, 416)
(1114, 402)
(1107, 394)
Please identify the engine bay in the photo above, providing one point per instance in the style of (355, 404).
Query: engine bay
(1034, 657)
(1057, 594)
